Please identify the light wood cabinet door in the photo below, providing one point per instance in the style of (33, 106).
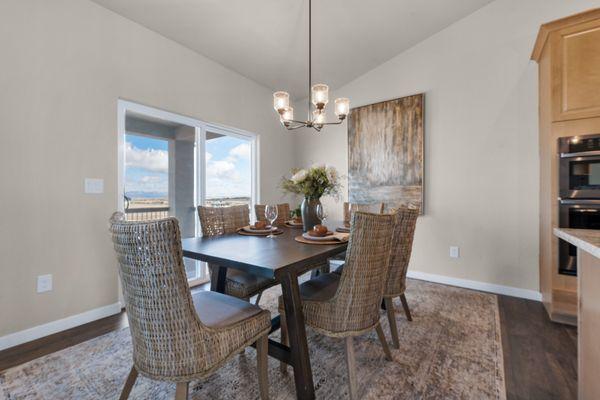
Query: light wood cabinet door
(576, 71)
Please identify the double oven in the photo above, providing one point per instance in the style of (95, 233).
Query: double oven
(579, 192)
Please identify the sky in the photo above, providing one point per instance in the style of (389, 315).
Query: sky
(228, 168)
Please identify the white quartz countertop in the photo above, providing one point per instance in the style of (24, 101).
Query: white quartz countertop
(585, 239)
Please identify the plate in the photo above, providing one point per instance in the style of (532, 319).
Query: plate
(291, 222)
(327, 237)
(248, 228)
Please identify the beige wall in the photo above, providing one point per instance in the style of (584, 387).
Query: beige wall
(63, 65)
(481, 151)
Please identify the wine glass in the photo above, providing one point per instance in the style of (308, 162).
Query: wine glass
(347, 214)
(271, 216)
(321, 213)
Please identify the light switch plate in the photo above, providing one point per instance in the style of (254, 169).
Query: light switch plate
(94, 186)
(454, 252)
(44, 283)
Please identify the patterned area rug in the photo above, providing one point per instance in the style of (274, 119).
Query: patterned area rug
(452, 350)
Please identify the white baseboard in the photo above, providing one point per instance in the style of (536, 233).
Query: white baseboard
(476, 285)
(468, 284)
(27, 335)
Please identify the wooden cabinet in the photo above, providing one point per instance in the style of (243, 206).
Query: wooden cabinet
(576, 71)
(568, 54)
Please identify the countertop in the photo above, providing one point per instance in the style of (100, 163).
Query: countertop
(585, 239)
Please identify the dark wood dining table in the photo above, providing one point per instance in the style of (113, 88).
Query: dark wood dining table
(281, 258)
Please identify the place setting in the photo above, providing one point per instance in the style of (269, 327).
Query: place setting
(296, 219)
(263, 228)
(320, 234)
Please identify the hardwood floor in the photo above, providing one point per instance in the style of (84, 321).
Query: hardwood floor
(61, 340)
(540, 357)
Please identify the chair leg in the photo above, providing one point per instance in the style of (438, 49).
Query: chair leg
(391, 314)
(258, 298)
(262, 349)
(351, 365)
(405, 306)
(181, 393)
(131, 378)
(284, 340)
(384, 342)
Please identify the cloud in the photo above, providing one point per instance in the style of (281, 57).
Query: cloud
(240, 151)
(226, 177)
(149, 159)
(208, 156)
(222, 169)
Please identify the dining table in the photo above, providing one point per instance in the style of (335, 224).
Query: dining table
(284, 259)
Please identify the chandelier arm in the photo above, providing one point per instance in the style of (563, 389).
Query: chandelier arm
(291, 128)
(298, 122)
(332, 123)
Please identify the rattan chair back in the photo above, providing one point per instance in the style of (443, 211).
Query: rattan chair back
(222, 220)
(283, 213)
(404, 232)
(169, 341)
(355, 306)
(350, 208)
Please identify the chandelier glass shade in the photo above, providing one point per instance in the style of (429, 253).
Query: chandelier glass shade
(318, 97)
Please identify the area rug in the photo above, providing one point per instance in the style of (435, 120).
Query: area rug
(451, 350)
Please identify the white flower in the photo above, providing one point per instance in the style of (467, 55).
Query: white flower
(318, 166)
(332, 174)
(299, 176)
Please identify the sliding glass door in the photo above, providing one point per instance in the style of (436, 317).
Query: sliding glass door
(228, 165)
(169, 164)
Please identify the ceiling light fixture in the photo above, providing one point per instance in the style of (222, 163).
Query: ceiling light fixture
(318, 97)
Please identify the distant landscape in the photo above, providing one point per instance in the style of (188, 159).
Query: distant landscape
(160, 200)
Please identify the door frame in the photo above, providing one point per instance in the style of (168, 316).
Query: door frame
(201, 127)
(125, 106)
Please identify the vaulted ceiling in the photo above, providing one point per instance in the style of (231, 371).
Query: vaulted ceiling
(266, 40)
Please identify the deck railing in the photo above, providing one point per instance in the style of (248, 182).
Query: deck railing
(145, 214)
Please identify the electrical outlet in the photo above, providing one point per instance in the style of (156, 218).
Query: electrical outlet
(44, 283)
(454, 252)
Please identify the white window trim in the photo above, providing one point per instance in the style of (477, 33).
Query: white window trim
(201, 127)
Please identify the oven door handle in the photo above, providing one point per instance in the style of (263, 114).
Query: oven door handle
(580, 201)
(580, 154)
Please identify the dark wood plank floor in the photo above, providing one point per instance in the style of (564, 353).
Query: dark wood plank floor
(540, 357)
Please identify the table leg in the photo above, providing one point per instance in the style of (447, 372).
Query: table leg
(218, 279)
(297, 336)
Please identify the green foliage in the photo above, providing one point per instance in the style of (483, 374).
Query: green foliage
(313, 183)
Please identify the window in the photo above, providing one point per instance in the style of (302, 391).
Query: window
(146, 177)
(169, 164)
(228, 170)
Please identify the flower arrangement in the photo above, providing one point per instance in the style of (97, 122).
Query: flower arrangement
(314, 182)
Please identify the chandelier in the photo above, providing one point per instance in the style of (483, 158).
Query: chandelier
(317, 99)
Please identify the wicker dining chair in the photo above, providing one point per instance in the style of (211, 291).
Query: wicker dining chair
(283, 213)
(225, 220)
(404, 232)
(349, 208)
(347, 305)
(177, 336)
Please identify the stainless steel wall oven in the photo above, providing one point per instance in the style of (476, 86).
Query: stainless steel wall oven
(579, 192)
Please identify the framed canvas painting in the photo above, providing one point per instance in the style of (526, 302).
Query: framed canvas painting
(385, 152)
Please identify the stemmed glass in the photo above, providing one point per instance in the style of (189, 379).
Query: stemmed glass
(347, 214)
(271, 216)
(321, 213)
